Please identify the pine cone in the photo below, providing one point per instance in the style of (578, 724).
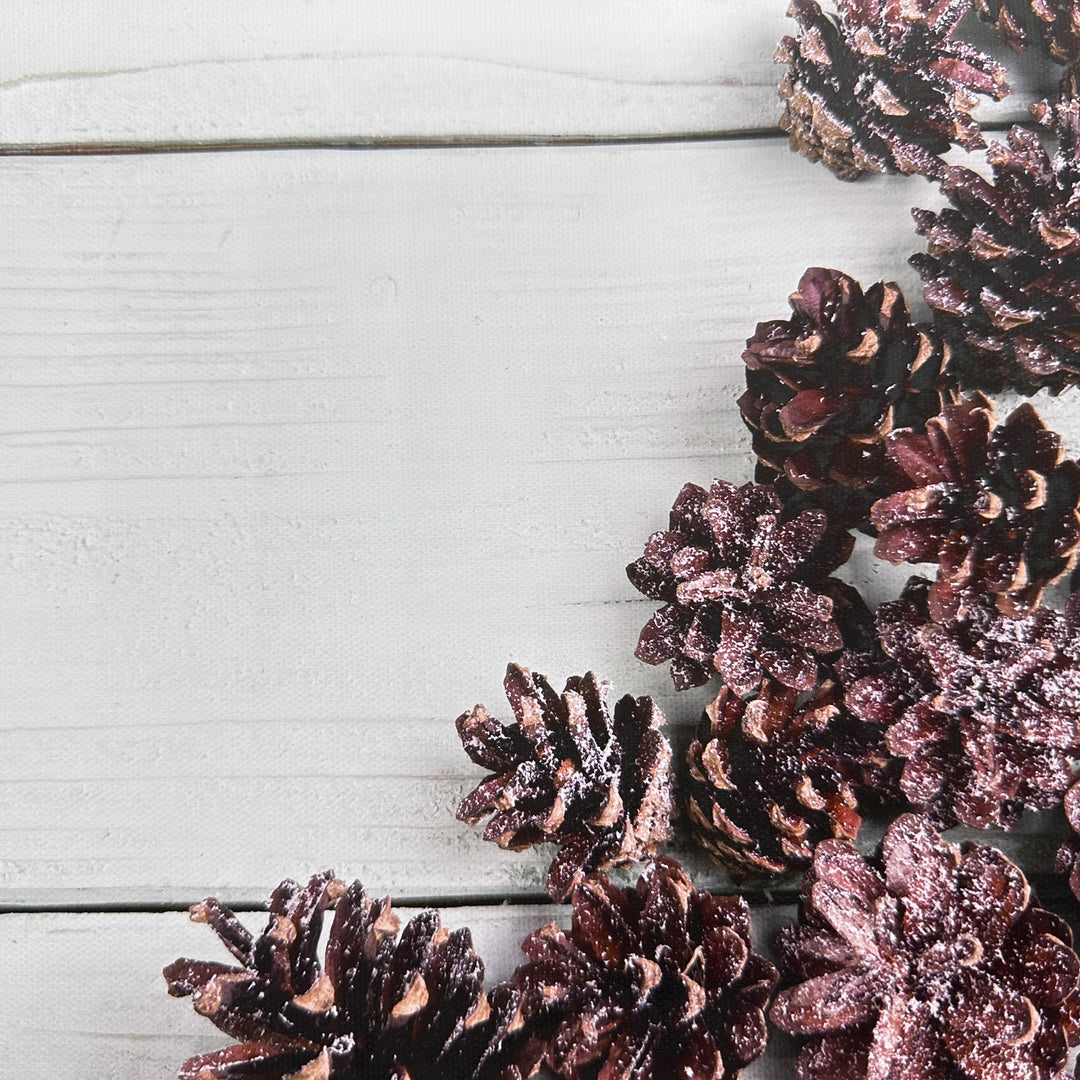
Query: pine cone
(1002, 271)
(1068, 856)
(881, 87)
(1055, 24)
(771, 777)
(569, 771)
(995, 505)
(986, 711)
(931, 961)
(826, 386)
(651, 983)
(382, 1009)
(745, 592)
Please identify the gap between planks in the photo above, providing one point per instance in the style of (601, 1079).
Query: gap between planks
(427, 142)
(756, 897)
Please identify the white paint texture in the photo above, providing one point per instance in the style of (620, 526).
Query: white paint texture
(122, 72)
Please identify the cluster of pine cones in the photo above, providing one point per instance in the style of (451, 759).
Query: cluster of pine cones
(930, 960)
(956, 703)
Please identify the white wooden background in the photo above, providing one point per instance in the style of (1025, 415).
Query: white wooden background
(299, 445)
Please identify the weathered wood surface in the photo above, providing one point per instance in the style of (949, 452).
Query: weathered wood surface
(123, 73)
(82, 994)
(298, 450)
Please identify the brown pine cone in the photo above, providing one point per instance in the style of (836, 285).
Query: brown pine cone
(827, 385)
(771, 777)
(930, 962)
(569, 771)
(746, 593)
(382, 1008)
(653, 983)
(1055, 24)
(1002, 268)
(995, 505)
(880, 87)
(986, 712)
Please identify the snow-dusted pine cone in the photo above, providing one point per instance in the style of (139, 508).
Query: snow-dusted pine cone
(826, 386)
(881, 87)
(1054, 24)
(996, 506)
(657, 982)
(929, 962)
(382, 1008)
(985, 711)
(571, 771)
(1068, 856)
(1002, 267)
(746, 593)
(769, 778)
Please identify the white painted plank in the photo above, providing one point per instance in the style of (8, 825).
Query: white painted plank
(125, 73)
(83, 994)
(298, 450)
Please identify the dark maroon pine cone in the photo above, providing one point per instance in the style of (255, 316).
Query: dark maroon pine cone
(1055, 24)
(1068, 856)
(653, 983)
(881, 87)
(986, 711)
(771, 777)
(1002, 268)
(827, 385)
(929, 962)
(572, 772)
(746, 593)
(382, 1008)
(995, 505)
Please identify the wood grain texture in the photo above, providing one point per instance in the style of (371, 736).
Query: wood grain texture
(117, 72)
(297, 450)
(83, 994)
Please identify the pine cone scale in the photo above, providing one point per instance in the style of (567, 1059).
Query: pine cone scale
(1054, 24)
(252, 1061)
